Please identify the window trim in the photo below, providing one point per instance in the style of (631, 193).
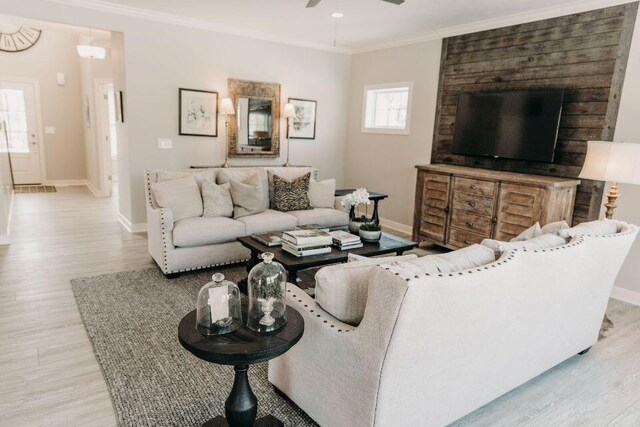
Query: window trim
(387, 131)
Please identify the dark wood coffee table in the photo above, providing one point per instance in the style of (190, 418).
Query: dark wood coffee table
(388, 244)
(241, 348)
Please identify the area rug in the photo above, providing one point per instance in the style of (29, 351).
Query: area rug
(19, 189)
(132, 321)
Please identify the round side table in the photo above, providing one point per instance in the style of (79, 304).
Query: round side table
(241, 348)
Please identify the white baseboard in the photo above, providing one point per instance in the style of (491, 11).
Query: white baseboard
(67, 182)
(132, 228)
(626, 295)
(95, 191)
(5, 239)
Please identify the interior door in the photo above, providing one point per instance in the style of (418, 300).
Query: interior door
(18, 110)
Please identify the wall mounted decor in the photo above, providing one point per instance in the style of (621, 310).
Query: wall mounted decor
(303, 124)
(119, 106)
(256, 130)
(198, 112)
(22, 39)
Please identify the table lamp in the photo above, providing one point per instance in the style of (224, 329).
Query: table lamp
(616, 162)
(288, 113)
(226, 109)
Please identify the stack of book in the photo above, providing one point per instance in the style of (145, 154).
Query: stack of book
(306, 242)
(344, 240)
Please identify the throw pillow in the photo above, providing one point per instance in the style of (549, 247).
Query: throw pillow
(180, 195)
(217, 199)
(200, 176)
(555, 227)
(341, 289)
(462, 259)
(247, 196)
(322, 194)
(355, 257)
(291, 195)
(602, 227)
(289, 172)
(541, 242)
(244, 174)
(529, 233)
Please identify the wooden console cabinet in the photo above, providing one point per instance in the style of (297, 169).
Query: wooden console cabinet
(458, 206)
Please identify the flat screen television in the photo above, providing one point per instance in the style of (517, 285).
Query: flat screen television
(521, 125)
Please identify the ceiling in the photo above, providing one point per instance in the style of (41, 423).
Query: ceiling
(366, 23)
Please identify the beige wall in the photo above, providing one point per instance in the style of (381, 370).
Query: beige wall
(61, 105)
(385, 163)
(6, 189)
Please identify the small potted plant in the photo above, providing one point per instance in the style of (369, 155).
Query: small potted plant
(351, 201)
(370, 231)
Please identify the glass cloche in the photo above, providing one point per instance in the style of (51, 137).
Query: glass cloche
(267, 288)
(219, 310)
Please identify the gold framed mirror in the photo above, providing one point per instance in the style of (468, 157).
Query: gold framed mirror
(255, 129)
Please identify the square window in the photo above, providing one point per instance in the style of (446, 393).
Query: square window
(387, 108)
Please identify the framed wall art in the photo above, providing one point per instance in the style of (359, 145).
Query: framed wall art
(198, 114)
(303, 124)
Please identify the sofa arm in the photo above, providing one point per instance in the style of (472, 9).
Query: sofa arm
(159, 234)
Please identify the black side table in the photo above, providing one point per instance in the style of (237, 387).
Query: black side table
(241, 348)
(374, 197)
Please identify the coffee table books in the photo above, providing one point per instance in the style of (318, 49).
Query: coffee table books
(312, 227)
(306, 242)
(273, 238)
(344, 240)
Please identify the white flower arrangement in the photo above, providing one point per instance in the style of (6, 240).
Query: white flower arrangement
(358, 197)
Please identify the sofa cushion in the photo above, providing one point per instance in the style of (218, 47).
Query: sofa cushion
(602, 227)
(461, 259)
(322, 194)
(289, 173)
(247, 196)
(180, 195)
(268, 220)
(529, 233)
(243, 174)
(200, 175)
(342, 289)
(321, 216)
(291, 195)
(541, 242)
(202, 231)
(216, 199)
(555, 227)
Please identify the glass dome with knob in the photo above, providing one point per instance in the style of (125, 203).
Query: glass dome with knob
(267, 284)
(219, 310)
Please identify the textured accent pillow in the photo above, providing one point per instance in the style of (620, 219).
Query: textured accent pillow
(217, 199)
(341, 289)
(322, 194)
(181, 196)
(200, 176)
(602, 227)
(529, 233)
(555, 227)
(462, 259)
(242, 175)
(289, 172)
(247, 196)
(291, 195)
(541, 242)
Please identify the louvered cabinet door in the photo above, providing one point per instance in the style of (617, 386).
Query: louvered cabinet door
(434, 206)
(519, 207)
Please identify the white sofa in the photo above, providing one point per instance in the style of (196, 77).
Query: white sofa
(433, 348)
(195, 243)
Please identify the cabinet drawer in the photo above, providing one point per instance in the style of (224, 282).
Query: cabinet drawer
(461, 238)
(475, 186)
(471, 221)
(476, 204)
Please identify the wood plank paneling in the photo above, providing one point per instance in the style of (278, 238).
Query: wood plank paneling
(585, 54)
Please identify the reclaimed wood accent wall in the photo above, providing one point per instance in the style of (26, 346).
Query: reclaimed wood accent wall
(585, 54)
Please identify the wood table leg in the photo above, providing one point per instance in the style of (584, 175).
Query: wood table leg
(375, 216)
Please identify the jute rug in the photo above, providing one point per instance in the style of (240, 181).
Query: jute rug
(132, 321)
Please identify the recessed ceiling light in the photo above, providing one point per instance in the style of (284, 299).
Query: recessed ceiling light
(337, 15)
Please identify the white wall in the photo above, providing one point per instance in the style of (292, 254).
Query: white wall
(6, 189)
(61, 105)
(385, 163)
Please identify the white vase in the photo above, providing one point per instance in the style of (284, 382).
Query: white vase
(267, 307)
(370, 236)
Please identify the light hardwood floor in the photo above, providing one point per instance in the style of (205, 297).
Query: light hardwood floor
(49, 375)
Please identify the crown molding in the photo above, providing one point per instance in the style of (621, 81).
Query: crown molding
(167, 18)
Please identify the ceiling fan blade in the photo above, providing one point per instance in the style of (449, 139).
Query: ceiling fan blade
(398, 2)
(312, 3)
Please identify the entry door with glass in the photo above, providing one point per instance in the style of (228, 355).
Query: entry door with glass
(18, 111)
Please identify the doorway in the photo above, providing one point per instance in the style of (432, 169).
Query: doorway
(19, 111)
(107, 135)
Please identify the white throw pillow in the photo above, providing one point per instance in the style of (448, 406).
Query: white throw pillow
(341, 289)
(244, 174)
(200, 176)
(322, 194)
(555, 227)
(602, 227)
(529, 233)
(217, 199)
(247, 196)
(462, 259)
(355, 257)
(181, 196)
(541, 242)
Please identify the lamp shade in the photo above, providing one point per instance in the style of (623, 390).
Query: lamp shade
(613, 162)
(226, 106)
(289, 110)
(89, 51)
